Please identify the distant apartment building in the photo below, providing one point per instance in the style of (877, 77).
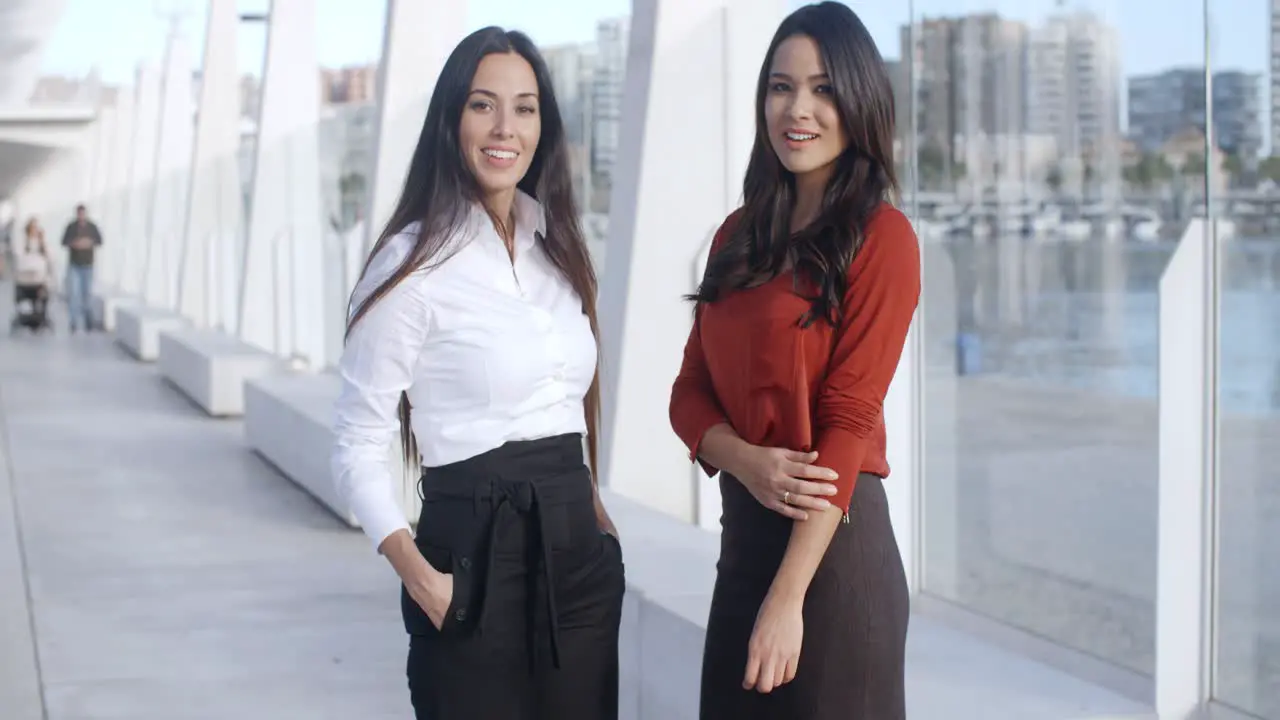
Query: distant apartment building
(1237, 112)
(1274, 67)
(59, 90)
(1168, 104)
(339, 86)
(612, 37)
(572, 69)
(996, 98)
(1074, 84)
(970, 94)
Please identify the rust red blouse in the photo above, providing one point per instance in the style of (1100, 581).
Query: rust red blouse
(747, 361)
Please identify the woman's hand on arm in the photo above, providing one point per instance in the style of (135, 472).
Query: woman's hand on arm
(782, 480)
(785, 481)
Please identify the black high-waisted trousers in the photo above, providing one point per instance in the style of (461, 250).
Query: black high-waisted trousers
(532, 632)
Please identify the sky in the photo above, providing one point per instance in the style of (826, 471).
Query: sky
(1154, 34)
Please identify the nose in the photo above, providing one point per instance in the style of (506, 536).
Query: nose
(801, 107)
(502, 125)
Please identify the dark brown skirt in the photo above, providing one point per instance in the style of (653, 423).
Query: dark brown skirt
(855, 615)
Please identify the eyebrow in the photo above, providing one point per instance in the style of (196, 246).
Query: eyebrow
(494, 95)
(784, 76)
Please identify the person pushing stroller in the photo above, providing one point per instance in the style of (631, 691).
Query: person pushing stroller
(32, 277)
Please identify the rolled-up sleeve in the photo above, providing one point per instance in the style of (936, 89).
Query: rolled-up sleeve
(377, 365)
(884, 289)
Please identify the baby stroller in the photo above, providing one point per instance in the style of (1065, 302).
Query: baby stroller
(31, 293)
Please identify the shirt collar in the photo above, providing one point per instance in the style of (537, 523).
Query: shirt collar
(531, 220)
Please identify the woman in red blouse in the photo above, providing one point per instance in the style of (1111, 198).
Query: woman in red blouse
(800, 321)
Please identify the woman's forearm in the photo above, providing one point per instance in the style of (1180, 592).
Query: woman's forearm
(408, 562)
(808, 543)
(723, 448)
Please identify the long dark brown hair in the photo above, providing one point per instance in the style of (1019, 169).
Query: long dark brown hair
(759, 245)
(439, 192)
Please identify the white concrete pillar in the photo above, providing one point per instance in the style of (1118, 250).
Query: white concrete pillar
(173, 162)
(417, 39)
(115, 210)
(1187, 468)
(101, 150)
(657, 225)
(214, 202)
(142, 178)
(282, 301)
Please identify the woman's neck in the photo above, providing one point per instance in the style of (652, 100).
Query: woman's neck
(501, 208)
(810, 187)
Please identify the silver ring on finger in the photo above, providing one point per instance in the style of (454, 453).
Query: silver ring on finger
(786, 498)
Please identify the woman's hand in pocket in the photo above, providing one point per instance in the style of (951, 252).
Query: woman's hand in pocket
(430, 588)
(433, 593)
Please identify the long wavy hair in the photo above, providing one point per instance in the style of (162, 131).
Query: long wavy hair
(759, 245)
(440, 191)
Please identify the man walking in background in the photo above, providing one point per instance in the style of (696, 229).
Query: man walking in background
(81, 238)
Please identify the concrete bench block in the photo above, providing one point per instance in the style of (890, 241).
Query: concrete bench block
(138, 329)
(104, 305)
(211, 367)
(670, 576)
(288, 420)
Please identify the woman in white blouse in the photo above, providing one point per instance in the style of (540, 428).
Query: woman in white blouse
(473, 337)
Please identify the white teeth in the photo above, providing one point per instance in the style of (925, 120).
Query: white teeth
(800, 136)
(501, 154)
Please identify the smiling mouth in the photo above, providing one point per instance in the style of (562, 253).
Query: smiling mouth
(500, 154)
(800, 137)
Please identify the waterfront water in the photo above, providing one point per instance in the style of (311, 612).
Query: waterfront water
(1086, 316)
(1041, 467)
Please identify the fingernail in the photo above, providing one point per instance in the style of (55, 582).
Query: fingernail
(825, 504)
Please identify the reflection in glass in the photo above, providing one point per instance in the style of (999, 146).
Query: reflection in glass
(1048, 206)
(1248, 599)
(1247, 609)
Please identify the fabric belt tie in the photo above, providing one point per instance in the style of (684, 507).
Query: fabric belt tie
(510, 501)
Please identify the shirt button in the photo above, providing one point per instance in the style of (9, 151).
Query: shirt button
(461, 615)
(465, 563)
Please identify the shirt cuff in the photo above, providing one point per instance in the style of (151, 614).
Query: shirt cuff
(691, 424)
(844, 452)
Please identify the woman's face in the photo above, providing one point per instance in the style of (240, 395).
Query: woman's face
(501, 123)
(800, 111)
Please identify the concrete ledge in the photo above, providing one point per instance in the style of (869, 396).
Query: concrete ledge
(138, 329)
(211, 367)
(288, 420)
(950, 674)
(105, 304)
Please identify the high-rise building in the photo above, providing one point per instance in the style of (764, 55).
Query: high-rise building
(612, 37)
(572, 69)
(1074, 84)
(1166, 105)
(970, 94)
(356, 84)
(1237, 112)
(1275, 76)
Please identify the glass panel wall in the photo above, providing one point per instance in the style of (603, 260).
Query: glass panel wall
(1247, 206)
(1061, 156)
